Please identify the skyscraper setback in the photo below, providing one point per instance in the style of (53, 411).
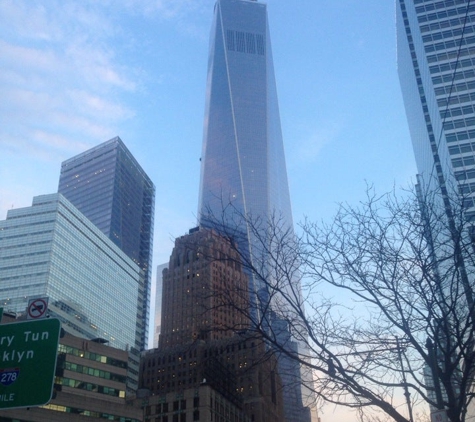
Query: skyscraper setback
(436, 59)
(111, 189)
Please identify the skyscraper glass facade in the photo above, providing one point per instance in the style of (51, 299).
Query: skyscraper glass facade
(111, 189)
(243, 158)
(243, 171)
(436, 61)
(51, 249)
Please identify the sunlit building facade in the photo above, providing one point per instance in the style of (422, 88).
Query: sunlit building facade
(157, 326)
(111, 189)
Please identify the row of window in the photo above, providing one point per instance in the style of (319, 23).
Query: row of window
(245, 42)
(457, 111)
(99, 415)
(88, 386)
(439, 5)
(449, 78)
(456, 99)
(463, 161)
(441, 14)
(452, 33)
(462, 136)
(82, 369)
(466, 188)
(177, 417)
(460, 123)
(91, 356)
(446, 45)
(451, 55)
(437, 26)
(465, 175)
(445, 67)
(461, 149)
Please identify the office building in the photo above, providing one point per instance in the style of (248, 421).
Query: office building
(243, 171)
(436, 64)
(51, 250)
(243, 159)
(205, 291)
(202, 403)
(90, 383)
(238, 371)
(157, 327)
(206, 351)
(111, 189)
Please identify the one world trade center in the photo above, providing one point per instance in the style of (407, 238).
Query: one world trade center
(243, 161)
(243, 173)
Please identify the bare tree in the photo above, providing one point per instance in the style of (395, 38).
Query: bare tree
(379, 300)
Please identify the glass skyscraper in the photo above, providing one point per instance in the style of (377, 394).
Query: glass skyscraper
(436, 64)
(111, 189)
(50, 249)
(243, 158)
(243, 171)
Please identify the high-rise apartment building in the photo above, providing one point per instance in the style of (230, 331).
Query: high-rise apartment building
(51, 250)
(436, 61)
(112, 190)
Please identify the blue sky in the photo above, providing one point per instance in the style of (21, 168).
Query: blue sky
(76, 73)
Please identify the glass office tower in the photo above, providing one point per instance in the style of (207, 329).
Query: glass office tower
(50, 249)
(436, 65)
(243, 156)
(243, 160)
(436, 61)
(111, 189)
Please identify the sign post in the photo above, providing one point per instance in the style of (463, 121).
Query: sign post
(28, 352)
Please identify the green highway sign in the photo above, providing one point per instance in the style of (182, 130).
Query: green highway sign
(28, 352)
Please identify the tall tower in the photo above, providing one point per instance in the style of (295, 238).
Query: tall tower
(111, 189)
(436, 59)
(243, 159)
(436, 64)
(243, 162)
(51, 249)
(203, 269)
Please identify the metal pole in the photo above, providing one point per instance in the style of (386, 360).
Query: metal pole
(406, 390)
